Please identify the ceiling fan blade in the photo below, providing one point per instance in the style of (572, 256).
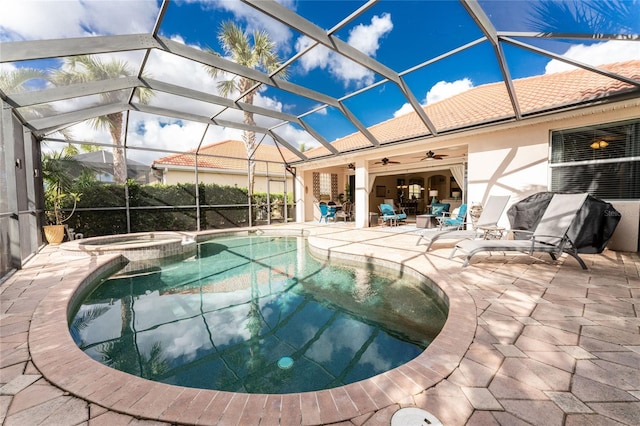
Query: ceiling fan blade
(386, 161)
(433, 156)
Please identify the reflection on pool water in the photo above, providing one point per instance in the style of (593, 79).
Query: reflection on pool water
(257, 314)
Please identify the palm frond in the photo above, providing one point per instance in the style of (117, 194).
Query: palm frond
(212, 71)
(618, 16)
(227, 87)
(549, 16)
(15, 81)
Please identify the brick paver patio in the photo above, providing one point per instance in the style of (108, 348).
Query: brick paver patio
(528, 341)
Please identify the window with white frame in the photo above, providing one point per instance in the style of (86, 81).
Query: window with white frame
(603, 160)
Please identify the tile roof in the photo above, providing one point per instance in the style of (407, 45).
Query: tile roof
(229, 154)
(490, 102)
(481, 104)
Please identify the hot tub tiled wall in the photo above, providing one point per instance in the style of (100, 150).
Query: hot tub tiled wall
(150, 246)
(156, 250)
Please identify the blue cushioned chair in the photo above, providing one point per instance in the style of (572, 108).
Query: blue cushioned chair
(327, 212)
(438, 208)
(389, 216)
(447, 219)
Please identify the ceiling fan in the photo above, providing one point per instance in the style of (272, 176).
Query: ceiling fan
(386, 161)
(433, 156)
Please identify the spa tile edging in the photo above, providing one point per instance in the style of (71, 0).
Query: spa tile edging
(61, 362)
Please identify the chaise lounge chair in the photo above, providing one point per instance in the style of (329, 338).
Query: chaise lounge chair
(489, 217)
(549, 236)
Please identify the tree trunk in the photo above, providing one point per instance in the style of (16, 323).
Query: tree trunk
(249, 136)
(119, 162)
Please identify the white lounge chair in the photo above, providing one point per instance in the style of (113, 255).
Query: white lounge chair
(550, 235)
(489, 217)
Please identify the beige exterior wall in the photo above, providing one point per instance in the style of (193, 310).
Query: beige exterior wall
(311, 209)
(508, 159)
(515, 160)
(173, 177)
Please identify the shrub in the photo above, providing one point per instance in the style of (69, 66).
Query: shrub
(102, 209)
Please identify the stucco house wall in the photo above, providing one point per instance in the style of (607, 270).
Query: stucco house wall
(514, 160)
(226, 178)
(511, 159)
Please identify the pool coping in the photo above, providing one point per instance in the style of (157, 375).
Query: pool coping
(83, 377)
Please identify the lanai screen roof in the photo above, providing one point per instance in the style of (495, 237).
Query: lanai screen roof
(349, 65)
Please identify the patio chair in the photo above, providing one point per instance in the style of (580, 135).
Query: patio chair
(437, 209)
(327, 212)
(389, 216)
(550, 235)
(345, 212)
(392, 204)
(453, 220)
(488, 218)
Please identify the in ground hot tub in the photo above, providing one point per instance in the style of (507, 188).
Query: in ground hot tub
(137, 247)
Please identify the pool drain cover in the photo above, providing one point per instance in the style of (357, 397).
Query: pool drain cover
(412, 416)
(285, 362)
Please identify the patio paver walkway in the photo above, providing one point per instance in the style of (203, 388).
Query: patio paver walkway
(553, 345)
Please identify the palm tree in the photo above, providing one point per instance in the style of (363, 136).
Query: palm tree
(16, 81)
(82, 69)
(58, 184)
(256, 52)
(601, 17)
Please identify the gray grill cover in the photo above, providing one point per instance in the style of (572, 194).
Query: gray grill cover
(590, 232)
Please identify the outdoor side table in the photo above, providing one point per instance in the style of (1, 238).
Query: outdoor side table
(492, 232)
(425, 220)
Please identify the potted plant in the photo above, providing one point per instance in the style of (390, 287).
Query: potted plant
(57, 192)
(54, 200)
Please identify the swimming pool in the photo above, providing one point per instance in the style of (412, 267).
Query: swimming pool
(257, 314)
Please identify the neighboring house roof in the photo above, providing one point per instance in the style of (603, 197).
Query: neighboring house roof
(490, 102)
(102, 161)
(229, 154)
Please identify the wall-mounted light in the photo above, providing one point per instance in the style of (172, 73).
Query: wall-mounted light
(599, 144)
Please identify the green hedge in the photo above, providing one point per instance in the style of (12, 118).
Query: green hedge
(177, 210)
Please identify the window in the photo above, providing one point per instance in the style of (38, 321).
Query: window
(603, 160)
(415, 188)
(325, 186)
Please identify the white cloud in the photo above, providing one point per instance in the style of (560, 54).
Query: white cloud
(597, 54)
(296, 136)
(441, 90)
(27, 20)
(404, 109)
(444, 89)
(367, 37)
(363, 37)
(255, 20)
(41, 19)
(318, 57)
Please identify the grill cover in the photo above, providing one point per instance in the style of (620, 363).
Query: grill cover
(590, 231)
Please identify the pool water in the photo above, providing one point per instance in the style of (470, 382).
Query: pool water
(257, 314)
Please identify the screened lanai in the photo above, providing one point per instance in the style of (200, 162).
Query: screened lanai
(298, 86)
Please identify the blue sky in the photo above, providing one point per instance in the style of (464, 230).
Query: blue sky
(398, 34)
